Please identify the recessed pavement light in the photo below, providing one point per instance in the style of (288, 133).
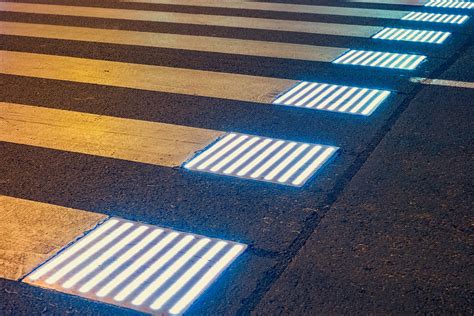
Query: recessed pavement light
(264, 159)
(138, 266)
(422, 36)
(380, 59)
(333, 98)
(436, 17)
(450, 4)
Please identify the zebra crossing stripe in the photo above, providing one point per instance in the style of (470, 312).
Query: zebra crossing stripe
(146, 77)
(154, 143)
(380, 59)
(175, 41)
(139, 266)
(333, 98)
(283, 7)
(436, 17)
(33, 231)
(422, 36)
(263, 159)
(194, 19)
(450, 4)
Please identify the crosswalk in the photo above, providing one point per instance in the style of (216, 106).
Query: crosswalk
(152, 266)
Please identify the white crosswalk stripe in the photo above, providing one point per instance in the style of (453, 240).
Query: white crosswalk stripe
(174, 41)
(100, 264)
(436, 17)
(423, 36)
(333, 98)
(194, 19)
(380, 59)
(450, 4)
(133, 140)
(284, 7)
(262, 159)
(151, 78)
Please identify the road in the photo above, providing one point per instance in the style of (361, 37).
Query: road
(317, 161)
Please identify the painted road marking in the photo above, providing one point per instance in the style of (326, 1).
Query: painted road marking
(436, 17)
(138, 266)
(263, 159)
(174, 41)
(284, 7)
(333, 98)
(145, 77)
(195, 19)
(422, 36)
(442, 82)
(133, 140)
(450, 4)
(33, 231)
(380, 59)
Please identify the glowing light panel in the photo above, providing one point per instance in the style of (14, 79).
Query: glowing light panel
(380, 59)
(436, 17)
(333, 98)
(450, 4)
(138, 266)
(422, 36)
(261, 158)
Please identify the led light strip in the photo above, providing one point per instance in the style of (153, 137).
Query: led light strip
(264, 159)
(334, 98)
(436, 17)
(422, 36)
(380, 59)
(450, 4)
(139, 266)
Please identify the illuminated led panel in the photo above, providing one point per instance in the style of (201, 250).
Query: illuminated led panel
(138, 266)
(450, 4)
(333, 98)
(264, 159)
(436, 17)
(380, 59)
(422, 36)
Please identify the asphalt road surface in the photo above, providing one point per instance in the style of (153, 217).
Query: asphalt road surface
(112, 112)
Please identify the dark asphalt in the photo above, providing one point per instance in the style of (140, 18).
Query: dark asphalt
(399, 239)
(383, 228)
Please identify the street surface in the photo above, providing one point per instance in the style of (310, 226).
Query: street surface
(113, 112)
